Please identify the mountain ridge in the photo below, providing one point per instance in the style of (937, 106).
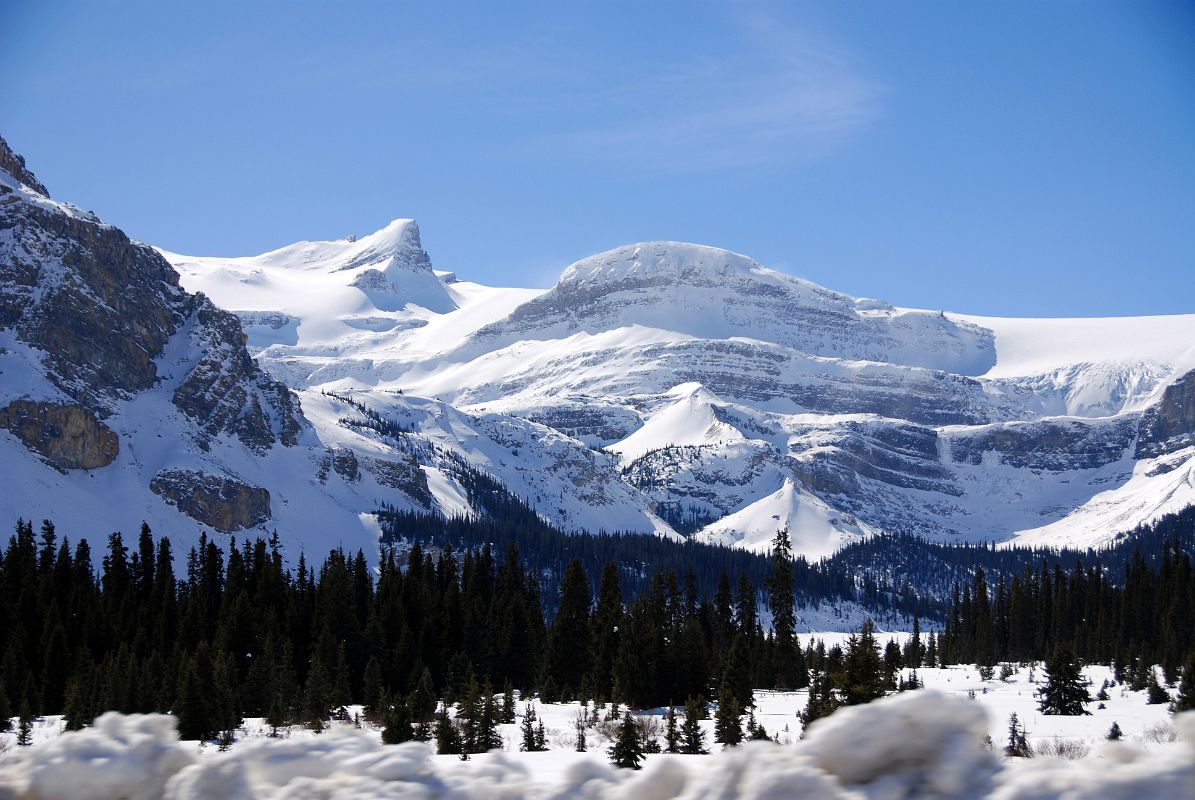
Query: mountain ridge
(664, 388)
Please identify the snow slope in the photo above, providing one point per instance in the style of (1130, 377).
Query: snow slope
(736, 398)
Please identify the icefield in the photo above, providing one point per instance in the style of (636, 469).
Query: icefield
(914, 745)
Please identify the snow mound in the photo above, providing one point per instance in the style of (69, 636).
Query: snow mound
(690, 421)
(815, 529)
(916, 745)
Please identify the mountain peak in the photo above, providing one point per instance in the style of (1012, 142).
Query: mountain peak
(395, 247)
(655, 262)
(14, 165)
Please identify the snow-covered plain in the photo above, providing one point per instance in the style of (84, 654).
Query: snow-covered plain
(921, 744)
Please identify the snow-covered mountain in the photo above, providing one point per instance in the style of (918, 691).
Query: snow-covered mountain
(661, 387)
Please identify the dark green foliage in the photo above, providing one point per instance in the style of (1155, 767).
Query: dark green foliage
(533, 732)
(397, 718)
(24, 726)
(1156, 694)
(1115, 734)
(728, 730)
(5, 709)
(569, 645)
(863, 677)
(1065, 691)
(579, 728)
(671, 732)
(822, 700)
(1018, 745)
(448, 738)
(691, 736)
(239, 632)
(1185, 699)
(627, 750)
(755, 731)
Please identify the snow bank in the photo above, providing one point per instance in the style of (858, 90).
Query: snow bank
(915, 745)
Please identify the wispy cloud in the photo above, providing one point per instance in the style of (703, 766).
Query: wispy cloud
(776, 95)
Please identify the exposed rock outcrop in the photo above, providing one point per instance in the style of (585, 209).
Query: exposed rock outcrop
(68, 437)
(224, 503)
(1170, 424)
(102, 310)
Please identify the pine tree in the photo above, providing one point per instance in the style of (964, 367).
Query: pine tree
(568, 657)
(755, 731)
(863, 677)
(195, 708)
(671, 732)
(692, 737)
(24, 725)
(397, 717)
(1018, 745)
(1114, 733)
(1185, 699)
(277, 716)
(784, 621)
(736, 673)
(579, 727)
(5, 709)
(627, 750)
(422, 700)
(371, 685)
(316, 692)
(822, 701)
(448, 738)
(1065, 690)
(508, 704)
(1156, 694)
(728, 730)
(532, 738)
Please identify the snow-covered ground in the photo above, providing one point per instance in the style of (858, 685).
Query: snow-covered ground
(917, 744)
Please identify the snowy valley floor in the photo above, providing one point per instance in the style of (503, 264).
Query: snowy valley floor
(917, 744)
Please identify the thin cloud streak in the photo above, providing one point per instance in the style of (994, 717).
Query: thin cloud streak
(788, 99)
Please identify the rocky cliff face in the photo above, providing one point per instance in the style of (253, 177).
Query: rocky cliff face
(226, 504)
(93, 326)
(100, 310)
(1169, 426)
(68, 437)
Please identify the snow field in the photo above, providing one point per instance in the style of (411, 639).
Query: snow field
(922, 744)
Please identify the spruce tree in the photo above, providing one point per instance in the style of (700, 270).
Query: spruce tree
(863, 677)
(397, 717)
(371, 685)
(1018, 745)
(1114, 733)
(532, 738)
(1156, 694)
(568, 657)
(277, 716)
(5, 709)
(728, 730)
(1065, 690)
(784, 621)
(671, 732)
(448, 738)
(822, 701)
(508, 704)
(24, 725)
(736, 673)
(692, 737)
(579, 727)
(1185, 698)
(627, 750)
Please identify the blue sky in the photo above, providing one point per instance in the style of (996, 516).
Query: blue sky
(1031, 159)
